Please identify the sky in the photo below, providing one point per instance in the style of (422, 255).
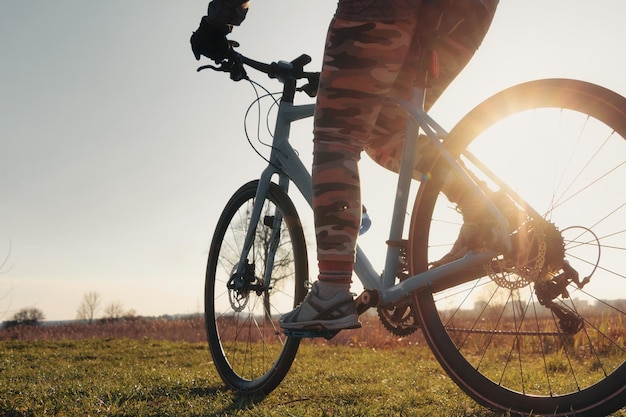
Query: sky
(117, 157)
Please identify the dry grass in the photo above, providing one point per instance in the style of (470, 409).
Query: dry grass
(185, 329)
(191, 329)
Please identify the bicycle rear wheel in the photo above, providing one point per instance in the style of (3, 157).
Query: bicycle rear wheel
(524, 345)
(249, 350)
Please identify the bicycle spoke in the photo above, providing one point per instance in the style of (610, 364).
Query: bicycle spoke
(241, 307)
(539, 326)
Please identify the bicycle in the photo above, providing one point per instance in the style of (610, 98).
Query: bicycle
(533, 324)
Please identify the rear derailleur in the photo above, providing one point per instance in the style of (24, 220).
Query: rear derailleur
(569, 321)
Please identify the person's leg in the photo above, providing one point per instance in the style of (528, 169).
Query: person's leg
(361, 63)
(457, 39)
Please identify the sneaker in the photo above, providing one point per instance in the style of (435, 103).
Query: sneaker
(478, 229)
(315, 313)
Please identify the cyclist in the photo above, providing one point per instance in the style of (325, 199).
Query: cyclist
(373, 50)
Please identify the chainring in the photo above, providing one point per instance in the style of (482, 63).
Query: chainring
(400, 319)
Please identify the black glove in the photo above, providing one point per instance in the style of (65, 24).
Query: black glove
(211, 42)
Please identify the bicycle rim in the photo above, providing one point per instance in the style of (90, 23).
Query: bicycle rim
(248, 347)
(559, 145)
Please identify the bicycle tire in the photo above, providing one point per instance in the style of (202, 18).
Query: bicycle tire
(249, 350)
(533, 367)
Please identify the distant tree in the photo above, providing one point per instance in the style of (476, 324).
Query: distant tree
(130, 314)
(89, 307)
(114, 311)
(28, 316)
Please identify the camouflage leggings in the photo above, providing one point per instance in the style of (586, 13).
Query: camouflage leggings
(366, 61)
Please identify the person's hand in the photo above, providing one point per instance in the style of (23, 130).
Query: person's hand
(211, 42)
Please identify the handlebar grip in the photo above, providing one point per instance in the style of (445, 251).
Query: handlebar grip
(301, 61)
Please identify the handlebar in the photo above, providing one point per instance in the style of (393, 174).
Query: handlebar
(285, 71)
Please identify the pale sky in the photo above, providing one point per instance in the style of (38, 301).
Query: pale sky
(117, 157)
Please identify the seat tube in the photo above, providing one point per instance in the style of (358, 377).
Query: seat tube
(407, 164)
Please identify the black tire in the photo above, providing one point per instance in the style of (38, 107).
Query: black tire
(249, 350)
(493, 338)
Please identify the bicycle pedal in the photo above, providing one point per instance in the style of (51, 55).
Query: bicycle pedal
(311, 333)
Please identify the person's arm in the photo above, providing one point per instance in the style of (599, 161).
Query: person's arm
(210, 37)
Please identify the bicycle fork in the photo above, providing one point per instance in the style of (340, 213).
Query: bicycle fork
(285, 163)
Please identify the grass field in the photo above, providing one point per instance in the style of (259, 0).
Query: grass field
(162, 378)
(168, 372)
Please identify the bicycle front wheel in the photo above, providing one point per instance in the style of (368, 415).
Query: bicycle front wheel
(249, 350)
(516, 339)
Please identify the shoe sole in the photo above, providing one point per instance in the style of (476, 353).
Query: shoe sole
(349, 322)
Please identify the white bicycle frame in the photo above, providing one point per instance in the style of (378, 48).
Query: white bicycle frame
(285, 163)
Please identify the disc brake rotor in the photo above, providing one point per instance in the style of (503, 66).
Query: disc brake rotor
(238, 299)
(239, 287)
(537, 255)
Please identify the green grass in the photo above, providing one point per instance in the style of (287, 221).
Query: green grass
(160, 378)
(126, 377)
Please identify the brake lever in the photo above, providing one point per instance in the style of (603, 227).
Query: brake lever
(221, 68)
(233, 65)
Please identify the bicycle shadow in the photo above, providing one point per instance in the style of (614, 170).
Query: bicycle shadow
(239, 401)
